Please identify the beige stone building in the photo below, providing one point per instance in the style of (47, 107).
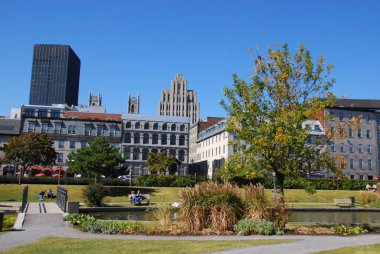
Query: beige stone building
(178, 101)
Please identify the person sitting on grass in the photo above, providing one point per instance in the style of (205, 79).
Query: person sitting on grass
(374, 187)
(368, 187)
(41, 195)
(137, 199)
(50, 194)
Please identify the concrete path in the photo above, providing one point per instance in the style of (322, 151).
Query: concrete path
(41, 207)
(38, 226)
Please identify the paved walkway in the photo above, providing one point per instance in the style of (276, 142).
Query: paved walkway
(41, 207)
(38, 226)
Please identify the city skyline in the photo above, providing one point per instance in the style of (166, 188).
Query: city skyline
(137, 48)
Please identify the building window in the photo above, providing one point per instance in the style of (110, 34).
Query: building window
(99, 130)
(164, 139)
(127, 138)
(360, 148)
(359, 133)
(55, 114)
(29, 112)
(72, 144)
(60, 157)
(112, 131)
(155, 126)
(145, 152)
(61, 144)
(369, 149)
(44, 127)
(136, 138)
(72, 129)
(172, 152)
(360, 163)
(128, 125)
(83, 144)
(57, 128)
(87, 130)
(368, 133)
(367, 117)
(164, 127)
(31, 126)
(127, 153)
(341, 147)
(350, 133)
(332, 146)
(137, 125)
(136, 154)
(172, 139)
(42, 113)
(181, 155)
(182, 140)
(370, 164)
(146, 126)
(173, 127)
(146, 138)
(351, 148)
(351, 163)
(154, 139)
(341, 116)
(182, 127)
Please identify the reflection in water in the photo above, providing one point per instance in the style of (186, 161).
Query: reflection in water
(324, 217)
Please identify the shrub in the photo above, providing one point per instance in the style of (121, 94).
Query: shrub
(9, 221)
(259, 227)
(210, 205)
(78, 219)
(91, 226)
(110, 227)
(350, 230)
(94, 194)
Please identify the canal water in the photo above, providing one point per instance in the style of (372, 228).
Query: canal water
(306, 217)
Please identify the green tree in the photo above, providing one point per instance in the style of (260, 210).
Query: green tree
(96, 159)
(30, 149)
(161, 162)
(268, 113)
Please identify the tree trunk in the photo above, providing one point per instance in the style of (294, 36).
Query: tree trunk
(280, 182)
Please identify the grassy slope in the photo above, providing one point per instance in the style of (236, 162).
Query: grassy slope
(13, 192)
(365, 249)
(66, 245)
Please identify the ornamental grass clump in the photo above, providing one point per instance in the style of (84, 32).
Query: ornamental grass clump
(260, 207)
(164, 216)
(210, 206)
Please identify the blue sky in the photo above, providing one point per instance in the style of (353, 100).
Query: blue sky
(139, 46)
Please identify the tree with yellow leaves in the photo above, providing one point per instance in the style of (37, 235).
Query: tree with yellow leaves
(268, 112)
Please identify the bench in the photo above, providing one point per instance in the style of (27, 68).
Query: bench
(145, 199)
(343, 202)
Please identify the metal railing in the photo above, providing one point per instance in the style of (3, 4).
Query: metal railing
(24, 198)
(62, 198)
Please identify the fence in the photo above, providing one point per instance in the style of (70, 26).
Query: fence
(24, 198)
(62, 198)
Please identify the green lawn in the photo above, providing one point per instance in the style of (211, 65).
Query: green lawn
(365, 249)
(53, 245)
(119, 194)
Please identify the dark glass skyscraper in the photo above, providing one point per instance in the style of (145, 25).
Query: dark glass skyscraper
(55, 75)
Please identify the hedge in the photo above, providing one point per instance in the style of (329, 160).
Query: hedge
(186, 181)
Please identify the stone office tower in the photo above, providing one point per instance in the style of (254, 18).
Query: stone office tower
(133, 104)
(178, 101)
(55, 75)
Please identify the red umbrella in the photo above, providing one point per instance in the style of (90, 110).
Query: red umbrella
(40, 174)
(56, 175)
(36, 168)
(59, 169)
(48, 169)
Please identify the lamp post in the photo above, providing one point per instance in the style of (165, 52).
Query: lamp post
(274, 186)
